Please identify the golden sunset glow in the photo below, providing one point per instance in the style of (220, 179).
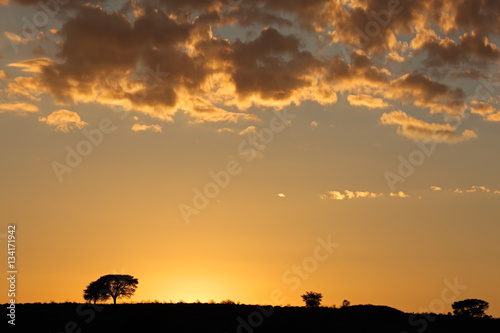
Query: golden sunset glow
(253, 150)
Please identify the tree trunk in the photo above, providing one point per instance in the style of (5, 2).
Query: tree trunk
(114, 299)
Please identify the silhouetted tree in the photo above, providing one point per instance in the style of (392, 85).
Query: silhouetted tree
(228, 301)
(118, 286)
(345, 303)
(312, 299)
(470, 308)
(95, 292)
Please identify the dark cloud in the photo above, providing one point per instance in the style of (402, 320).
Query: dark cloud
(471, 48)
(161, 56)
(261, 66)
(423, 92)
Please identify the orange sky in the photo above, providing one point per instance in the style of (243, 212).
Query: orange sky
(211, 149)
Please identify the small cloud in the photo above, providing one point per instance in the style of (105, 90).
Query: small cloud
(347, 194)
(281, 195)
(15, 39)
(142, 128)
(366, 100)
(249, 130)
(63, 120)
(33, 65)
(436, 188)
(314, 124)
(4, 75)
(22, 108)
(400, 194)
(419, 130)
(494, 117)
(225, 130)
(473, 189)
(335, 195)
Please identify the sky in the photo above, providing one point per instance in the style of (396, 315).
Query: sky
(253, 150)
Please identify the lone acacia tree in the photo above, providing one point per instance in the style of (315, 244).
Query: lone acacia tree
(312, 299)
(470, 308)
(94, 292)
(114, 286)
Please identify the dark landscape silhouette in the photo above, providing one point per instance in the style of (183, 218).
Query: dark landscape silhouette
(98, 315)
(220, 318)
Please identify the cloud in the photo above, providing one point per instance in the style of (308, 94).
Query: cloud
(436, 188)
(20, 108)
(250, 130)
(281, 195)
(33, 65)
(427, 93)
(475, 188)
(273, 70)
(16, 39)
(4, 75)
(358, 75)
(224, 130)
(485, 110)
(494, 117)
(366, 100)
(142, 128)
(481, 108)
(347, 194)
(471, 48)
(420, 130)
(63, 120)
(160, 64)
(170, 56)
(399, 194)
(358, 22)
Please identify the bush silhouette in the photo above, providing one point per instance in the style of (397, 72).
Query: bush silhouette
(95, 292)
(114, 286)
(470, 308)
(312, 299)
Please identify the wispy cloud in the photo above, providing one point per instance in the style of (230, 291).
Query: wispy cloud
(225, 130)
(475, 188)
(143, 128)
(366, 100)
(250, 130)
(20, 108)
(420, 130)
(347, 194)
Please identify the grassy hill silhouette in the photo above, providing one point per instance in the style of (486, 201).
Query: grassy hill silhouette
(230, 318)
